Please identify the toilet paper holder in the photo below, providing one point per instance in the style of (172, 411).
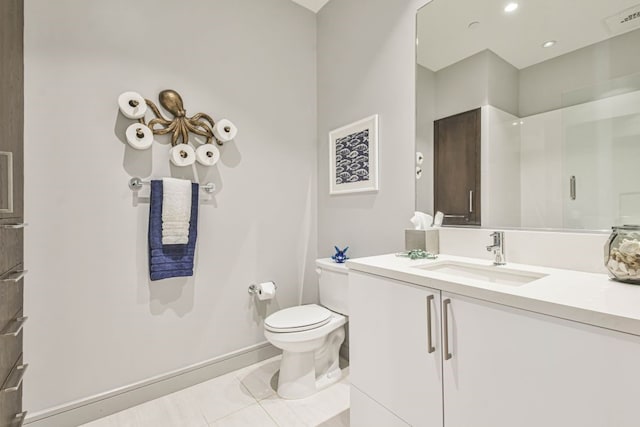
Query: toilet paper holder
(253, 288)
(180, 126)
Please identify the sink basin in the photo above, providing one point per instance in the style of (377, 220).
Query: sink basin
(490, 273)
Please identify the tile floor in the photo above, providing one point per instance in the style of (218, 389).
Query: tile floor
(244, 398)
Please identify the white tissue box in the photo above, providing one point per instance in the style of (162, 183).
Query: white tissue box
(427, 240)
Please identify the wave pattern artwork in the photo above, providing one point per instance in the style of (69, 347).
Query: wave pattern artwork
(352, 158)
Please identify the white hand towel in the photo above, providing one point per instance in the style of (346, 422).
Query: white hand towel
(176, 211)
(173, 240)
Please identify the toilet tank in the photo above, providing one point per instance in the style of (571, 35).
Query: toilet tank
(333, 285)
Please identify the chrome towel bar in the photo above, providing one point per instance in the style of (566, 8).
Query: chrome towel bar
(136, 184)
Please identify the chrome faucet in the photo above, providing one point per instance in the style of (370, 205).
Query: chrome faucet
(498, 248)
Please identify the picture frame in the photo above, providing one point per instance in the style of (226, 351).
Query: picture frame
(353, 157)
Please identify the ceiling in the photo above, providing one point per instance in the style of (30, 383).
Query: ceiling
(312, 5)
(444, 37)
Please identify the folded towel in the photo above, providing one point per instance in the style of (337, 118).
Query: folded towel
(171, 260)
(176, 210)
(171, 251)
(175, 240)
(172, 266)
(159, 275)
(157, 260)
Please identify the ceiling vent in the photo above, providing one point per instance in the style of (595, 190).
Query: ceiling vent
(624, 21)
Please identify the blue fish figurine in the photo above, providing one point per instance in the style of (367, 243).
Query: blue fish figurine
(340, 255)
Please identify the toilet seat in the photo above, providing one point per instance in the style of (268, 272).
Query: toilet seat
(297, 319)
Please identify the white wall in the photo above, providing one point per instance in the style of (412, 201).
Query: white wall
(581, 76)
(500, 168)
(366, 65)
(97, 323)
(425, 115)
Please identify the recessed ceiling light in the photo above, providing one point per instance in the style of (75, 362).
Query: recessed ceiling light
(548, 43)
(511, 7)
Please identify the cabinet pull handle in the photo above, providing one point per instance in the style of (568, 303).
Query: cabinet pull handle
(470, 201)
(13, 226)
(15, 377)
(18, 420)
(14, 328)
(9, 181)
(15, 276)
(445, 326)
(430, 347)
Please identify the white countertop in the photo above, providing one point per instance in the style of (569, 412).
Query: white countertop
(588, 298)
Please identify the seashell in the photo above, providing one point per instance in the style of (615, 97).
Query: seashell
(629, 247)
(344, 175)
(338, 180)
(344, 162)
(362, 172)
(354, 167)
(344, 151)
(361, 147)
(622, 267)
(361, 159)
(354, 178)
(338, 158)
(339, 170)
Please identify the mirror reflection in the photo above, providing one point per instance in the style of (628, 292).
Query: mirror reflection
(528, 113)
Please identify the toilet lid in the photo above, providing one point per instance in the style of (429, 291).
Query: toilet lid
(295, 319)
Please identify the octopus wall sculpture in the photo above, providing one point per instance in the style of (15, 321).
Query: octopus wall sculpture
(140, 136)
(180, 126)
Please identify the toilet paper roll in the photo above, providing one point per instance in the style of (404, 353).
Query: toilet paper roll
(139, 136)
(207, 154)
(182, 155)
(266, 290)
(132, 105)
(224, 130)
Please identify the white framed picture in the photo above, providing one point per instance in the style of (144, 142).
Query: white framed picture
(353, 157)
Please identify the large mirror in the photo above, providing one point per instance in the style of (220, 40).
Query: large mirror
(528, 113)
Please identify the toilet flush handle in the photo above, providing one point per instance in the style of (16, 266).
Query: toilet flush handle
(318, 272)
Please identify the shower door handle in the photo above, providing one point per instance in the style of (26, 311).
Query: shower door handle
(572, 187)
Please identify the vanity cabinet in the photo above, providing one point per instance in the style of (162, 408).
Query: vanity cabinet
(507, 367)
(394, 348)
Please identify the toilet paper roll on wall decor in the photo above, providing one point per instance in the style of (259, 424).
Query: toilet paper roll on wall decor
(207, 154)
(139, 136)
(266, 290)
(182, 155)
(224, 130)
(132, 105)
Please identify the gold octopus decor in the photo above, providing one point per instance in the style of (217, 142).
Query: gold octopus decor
(180, 126)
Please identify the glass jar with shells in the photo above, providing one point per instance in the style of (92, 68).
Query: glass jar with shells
(622, 254)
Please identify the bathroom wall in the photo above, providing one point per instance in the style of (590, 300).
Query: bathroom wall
(366, 65)
(583, 75)
(97, 323)
(500, 170)
(480, 79)
(425, 115)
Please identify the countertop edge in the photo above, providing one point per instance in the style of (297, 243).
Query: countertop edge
(562, 311)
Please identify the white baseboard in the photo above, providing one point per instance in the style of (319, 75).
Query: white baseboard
(91, 408)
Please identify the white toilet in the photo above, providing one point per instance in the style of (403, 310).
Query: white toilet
(311, 335)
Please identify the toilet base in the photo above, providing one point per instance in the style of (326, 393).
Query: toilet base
(304, 373)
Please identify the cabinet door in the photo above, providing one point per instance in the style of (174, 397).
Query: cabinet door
(456, 168)
(390, 360)
(511, 367)
(11, 108)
